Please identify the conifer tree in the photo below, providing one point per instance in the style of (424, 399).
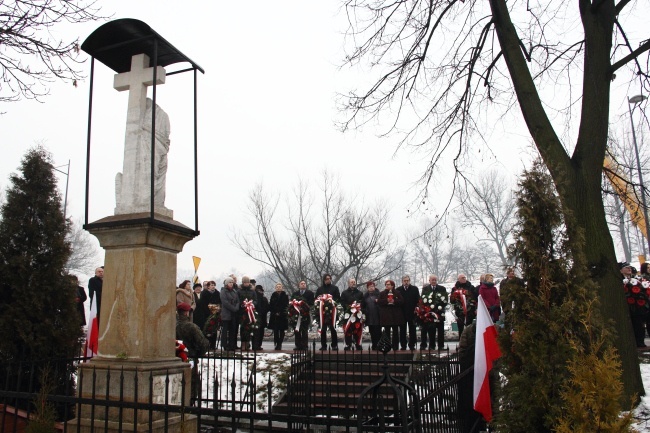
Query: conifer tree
(37, 312)
(551, 321)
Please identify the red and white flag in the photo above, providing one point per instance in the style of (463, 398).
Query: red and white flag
(92, 336)
(487, 351)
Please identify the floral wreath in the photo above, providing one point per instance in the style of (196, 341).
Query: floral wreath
(213, 322)
(326, 311)
(430, 309)
(463, 301)
(352, 321)
(297, 313)
(181, 351)
(249, 319)
(637, 292)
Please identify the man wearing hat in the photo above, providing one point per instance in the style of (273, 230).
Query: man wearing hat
(189, 333)
(626, 269)
(192, 337)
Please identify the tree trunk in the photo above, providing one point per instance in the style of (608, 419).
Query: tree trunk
(578, 178)
(586, 219)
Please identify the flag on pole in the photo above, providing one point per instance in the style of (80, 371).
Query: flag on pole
(92, 335)
(487, 351)
(197, 262)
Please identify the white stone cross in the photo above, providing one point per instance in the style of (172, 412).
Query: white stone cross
(136, 82)
(133, 185)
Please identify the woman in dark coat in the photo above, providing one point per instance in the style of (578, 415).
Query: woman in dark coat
(279, 321)
(371, 309)
(490, 296)
(391, 316)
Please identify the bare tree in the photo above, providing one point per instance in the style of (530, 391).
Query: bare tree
(86, 254)
(30, 56)
(334, 235)
(489, 204)
(444, 64)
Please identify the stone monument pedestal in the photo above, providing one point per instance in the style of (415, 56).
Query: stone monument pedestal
(136, 360)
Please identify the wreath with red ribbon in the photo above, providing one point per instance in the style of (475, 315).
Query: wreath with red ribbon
(637, 295)
(352, 321)
(297, 313)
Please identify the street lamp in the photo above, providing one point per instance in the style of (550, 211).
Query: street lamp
(67, 181)
(633, 102)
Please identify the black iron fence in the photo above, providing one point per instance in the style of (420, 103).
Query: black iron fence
(308, 391)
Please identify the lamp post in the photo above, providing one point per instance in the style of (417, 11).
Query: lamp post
(67, 181)
(633, 102)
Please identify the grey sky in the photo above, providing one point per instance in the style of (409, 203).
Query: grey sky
(266, 113)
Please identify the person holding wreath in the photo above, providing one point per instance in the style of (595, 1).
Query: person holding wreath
(298, 313)
(278, 309)
(331, 292)
(391, 316)
(430, 314)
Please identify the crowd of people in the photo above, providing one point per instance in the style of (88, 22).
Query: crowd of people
(411, 317)
(636, 286)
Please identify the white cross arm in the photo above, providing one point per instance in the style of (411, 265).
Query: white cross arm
(139, 75)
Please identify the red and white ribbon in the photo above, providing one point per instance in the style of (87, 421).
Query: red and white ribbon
(296, 304)
(250, 309)
(355, 308)
(323, 299)
(463, 301)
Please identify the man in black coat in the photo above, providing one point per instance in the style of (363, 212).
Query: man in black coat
(209, 296)
(302, 334)
(262, 314)
(350, 295)
(95, 289)
(328, 289)
(411, 296)
(439, 295)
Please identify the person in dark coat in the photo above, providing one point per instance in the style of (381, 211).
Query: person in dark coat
(411, 296)
(246, 292)
(230, 304)
(79, 300)
(193, 338)
(328, 289)
(95, 289)
(348, 297)
(302, 334)
(371, 310)
(465, 314)
(440, 297)
(391, 315)
(508, 289)
(278, 309)
(262, 311)
(209, 296)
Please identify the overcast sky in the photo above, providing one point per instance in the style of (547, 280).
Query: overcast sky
(266, 114)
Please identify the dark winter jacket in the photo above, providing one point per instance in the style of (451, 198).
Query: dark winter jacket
(307, 296)
(411, 296)
(391, 314)
(79, 301)
(471, 298)
(95, 288)
(262, 309)
(329, 289)
(202, 311)
(278, 309)
(191, 336)
(349, 296)
(370, 307)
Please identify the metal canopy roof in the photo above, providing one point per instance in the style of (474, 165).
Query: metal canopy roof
(115, 42)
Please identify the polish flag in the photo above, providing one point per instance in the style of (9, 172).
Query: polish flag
(487, 351)
(92, 336)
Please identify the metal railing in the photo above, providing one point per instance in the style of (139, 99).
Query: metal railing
(307, 391)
